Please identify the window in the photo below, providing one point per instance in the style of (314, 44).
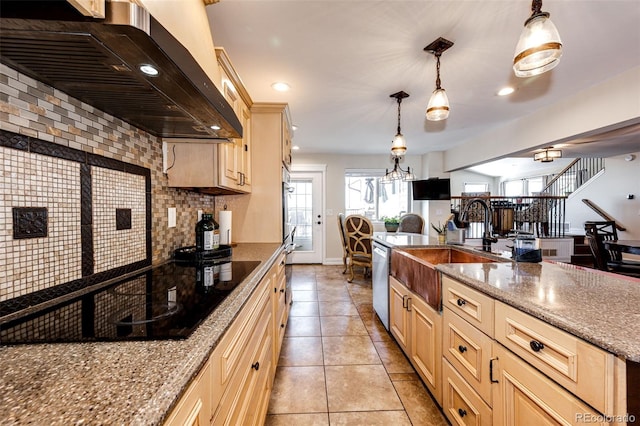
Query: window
(365, 195)
(513, 187)
(526, 186)
(476, 187)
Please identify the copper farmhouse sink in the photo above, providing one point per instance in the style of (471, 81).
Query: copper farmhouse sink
(415, 268)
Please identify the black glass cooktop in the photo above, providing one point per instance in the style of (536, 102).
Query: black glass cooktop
(165, 302)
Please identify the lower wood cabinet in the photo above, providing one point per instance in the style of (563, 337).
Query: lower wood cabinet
(417, 329)
(234, 386)
(532, 373)
(525, 396)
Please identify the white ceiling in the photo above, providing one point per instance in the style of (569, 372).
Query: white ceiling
(344, 58)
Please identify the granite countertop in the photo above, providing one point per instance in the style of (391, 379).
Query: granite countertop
(123, 383)
(599, 307)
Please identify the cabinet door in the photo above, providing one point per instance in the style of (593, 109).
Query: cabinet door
(194, 408)
(398, 315)
(244, 150)
(286, 142)
(526, 397)
(426, 345)
(228, 159)
(461, 404)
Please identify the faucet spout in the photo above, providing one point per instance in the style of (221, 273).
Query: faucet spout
(487, 237)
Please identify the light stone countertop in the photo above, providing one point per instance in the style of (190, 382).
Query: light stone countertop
(123, 383)
(599, 307)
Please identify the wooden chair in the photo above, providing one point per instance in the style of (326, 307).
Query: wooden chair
(359, 231)
(343, 238)
(596, 233)
(536, 215)
(411, 222)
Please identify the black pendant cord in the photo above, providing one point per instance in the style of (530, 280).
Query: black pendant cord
(399, 101)
(438, 70)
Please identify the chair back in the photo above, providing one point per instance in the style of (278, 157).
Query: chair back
(411, 222)
(359, 231)
(603, 231)
(475, 212)
(343, 236)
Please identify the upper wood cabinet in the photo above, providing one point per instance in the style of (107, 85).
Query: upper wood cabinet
(217, 168)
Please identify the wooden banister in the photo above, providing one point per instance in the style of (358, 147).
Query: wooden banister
(603, 214)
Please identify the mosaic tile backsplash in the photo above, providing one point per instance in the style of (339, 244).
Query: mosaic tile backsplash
(45, 179)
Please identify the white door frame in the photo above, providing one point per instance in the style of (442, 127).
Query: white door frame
(322, 169)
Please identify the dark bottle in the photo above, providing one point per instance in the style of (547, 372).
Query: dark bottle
(207, 233)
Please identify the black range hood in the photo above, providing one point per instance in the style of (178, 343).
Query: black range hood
(97, 62)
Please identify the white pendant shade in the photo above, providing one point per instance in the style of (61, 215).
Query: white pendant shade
(438, 107)
(399, 145)
(539, 48)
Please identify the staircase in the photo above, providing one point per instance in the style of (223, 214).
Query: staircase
(581, 252)
(572, 177)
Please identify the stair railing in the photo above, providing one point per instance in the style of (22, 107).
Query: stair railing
(572, 177)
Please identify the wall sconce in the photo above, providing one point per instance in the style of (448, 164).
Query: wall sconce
(438, 106)
(399, 144)
(539, 48)
(547, 155)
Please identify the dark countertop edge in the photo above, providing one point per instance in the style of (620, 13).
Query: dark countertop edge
(538, 312)
(158, 408)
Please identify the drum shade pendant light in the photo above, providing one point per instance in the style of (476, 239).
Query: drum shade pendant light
(547, 155)
(438, 107)
(399, 144)
(539, 48)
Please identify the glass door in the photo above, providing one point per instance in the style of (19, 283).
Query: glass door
(305, 214)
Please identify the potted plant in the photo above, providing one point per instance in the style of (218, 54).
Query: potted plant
(442, 232)
(391, 223)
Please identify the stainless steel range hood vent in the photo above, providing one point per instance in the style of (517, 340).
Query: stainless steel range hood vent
(97, 62)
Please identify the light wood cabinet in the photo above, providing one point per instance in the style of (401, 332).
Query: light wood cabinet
(531, 374)
(526, 397)
(262, 211)
(210, 167)
(194, 408)
(235, 384)
(287, 144)
(417, 329)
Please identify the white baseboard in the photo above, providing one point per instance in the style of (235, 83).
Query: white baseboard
(333, 261)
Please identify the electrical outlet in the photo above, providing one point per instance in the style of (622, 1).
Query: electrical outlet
(164, 157)
(171, 214)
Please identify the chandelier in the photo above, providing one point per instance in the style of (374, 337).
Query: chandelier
(398, 149)
(397, 173)
(547, 155)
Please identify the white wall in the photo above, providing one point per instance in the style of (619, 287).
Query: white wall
(580, 114)
(609, 191)
(334, 202)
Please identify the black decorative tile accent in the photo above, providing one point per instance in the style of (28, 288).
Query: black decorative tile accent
(123, 219)
(137, 170)
(148, 211)
(86, 195)
(104, 162)
(29, 222)
(86, 236)
(58, 151)
(14, 140)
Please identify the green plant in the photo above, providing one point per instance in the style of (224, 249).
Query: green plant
(393, 220)
(440, 229)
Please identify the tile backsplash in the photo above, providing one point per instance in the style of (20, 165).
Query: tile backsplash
(42, 179)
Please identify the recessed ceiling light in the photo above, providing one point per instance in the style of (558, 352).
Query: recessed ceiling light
(295, 147)
(506, 91)
(294, 127)
(280, 87)
(215, 127)
(149, 70)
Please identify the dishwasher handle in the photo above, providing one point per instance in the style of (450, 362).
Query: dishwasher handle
(380, 252)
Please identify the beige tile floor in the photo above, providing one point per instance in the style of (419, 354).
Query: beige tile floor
(338, 364)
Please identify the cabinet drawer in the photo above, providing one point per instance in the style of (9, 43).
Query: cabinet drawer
(241, 388)
(469, 351)
(525, 396)
(578, 366)
(473, 306)
(461, 404)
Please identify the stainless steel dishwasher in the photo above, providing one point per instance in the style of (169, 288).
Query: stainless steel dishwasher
(381, 261)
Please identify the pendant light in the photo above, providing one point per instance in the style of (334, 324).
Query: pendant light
(438, 107)
(399, 144)
(539, 48)
(398, 173)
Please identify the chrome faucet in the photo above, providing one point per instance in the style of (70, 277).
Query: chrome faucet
(487, 237)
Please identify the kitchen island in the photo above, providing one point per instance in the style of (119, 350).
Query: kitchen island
(132, 383)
